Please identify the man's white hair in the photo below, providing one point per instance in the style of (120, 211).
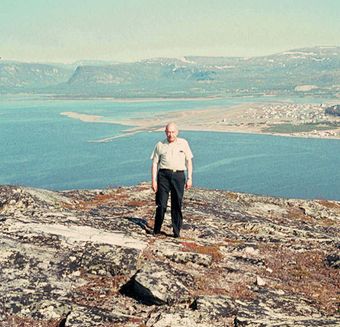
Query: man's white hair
(172, 124)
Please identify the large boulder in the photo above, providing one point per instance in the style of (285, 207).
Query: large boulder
(158, 283)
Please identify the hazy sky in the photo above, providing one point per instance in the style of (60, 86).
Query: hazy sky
(129, 30)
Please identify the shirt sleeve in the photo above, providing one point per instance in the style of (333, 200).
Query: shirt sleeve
(188, 153)
(155, 154)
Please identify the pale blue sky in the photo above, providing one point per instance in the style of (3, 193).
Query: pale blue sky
(129, 30)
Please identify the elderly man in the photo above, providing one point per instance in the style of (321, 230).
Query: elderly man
(170, 159)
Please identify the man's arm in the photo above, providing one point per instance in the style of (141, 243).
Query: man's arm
(154, 169)
(189, 174)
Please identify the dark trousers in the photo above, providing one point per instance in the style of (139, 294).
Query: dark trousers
(169, 181)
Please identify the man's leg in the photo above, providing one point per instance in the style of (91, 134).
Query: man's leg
(162, 195)
(177, 191)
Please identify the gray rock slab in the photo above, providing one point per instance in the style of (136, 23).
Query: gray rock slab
(106, 259)
(158, 283)
(82, 316)
(190, 257)
(215, 306)
(74, 233)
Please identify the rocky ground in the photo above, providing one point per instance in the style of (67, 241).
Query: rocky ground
(88, 258)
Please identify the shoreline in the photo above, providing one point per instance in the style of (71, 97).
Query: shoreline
(136, 100)
(245, 118)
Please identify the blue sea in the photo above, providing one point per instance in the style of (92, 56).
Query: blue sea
(39, 147)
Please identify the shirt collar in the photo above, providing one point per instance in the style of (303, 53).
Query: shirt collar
(167, 142)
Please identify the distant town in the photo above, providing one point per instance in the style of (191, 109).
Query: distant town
(286, 118)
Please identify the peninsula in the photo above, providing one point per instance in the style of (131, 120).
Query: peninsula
(276, 118)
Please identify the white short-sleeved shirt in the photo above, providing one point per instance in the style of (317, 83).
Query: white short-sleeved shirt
(172, 155)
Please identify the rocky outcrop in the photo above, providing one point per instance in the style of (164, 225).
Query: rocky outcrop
(88, 258)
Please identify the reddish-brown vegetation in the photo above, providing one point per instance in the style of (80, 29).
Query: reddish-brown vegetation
(212, 250)
(303, 273)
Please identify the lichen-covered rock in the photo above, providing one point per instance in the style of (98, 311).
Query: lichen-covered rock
(215, 306)
(82, 316)
(186, 319)
(157, 283)
(178, 253)
(104, 259)
(191, 257)
(48, 310)
(88, 258)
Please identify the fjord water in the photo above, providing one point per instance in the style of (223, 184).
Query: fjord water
(41, 148)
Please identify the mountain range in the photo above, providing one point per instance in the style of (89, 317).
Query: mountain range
(308, 71)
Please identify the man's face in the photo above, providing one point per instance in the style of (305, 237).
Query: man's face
(171, 133)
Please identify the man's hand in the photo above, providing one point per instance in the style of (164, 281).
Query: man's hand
(154, 169)
(154, 186)
(188, 184)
